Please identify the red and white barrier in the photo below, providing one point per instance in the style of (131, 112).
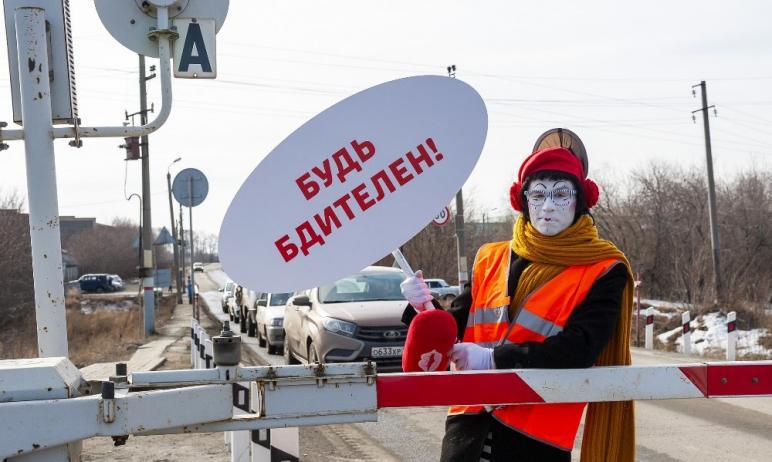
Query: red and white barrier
(731, 336)
(621, 383)
(686, 332)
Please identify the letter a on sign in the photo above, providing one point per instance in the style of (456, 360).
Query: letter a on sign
(195, 51)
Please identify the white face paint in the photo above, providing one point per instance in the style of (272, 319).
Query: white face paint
(551, 205)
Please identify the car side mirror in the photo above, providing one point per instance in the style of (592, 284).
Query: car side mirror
(261, 303)
(221, 289)
(302, 300)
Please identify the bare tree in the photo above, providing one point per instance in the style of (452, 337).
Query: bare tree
(17, 297)
(106, 249)
(434, 248)
(660, 220)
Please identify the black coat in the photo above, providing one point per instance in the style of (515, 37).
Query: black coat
(586, 332)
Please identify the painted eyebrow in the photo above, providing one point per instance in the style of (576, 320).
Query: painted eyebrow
(538, 184)
(559, 184)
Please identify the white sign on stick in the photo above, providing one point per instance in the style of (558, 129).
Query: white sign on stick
(353, 183)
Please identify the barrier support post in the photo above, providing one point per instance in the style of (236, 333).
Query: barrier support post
(731, 336)
(687, 332)
(649, 341)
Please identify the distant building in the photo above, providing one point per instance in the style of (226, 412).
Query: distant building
(70, 225)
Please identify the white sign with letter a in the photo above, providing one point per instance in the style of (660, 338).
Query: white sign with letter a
(195, 52)
(353, 183)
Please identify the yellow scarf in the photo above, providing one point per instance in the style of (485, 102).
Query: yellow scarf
(609, 428)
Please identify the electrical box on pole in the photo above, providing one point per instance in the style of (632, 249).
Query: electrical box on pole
(61, 73)
(131, 145)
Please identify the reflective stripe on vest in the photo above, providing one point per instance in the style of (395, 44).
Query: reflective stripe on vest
(543, 314)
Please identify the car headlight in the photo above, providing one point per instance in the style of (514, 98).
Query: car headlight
(277, 322)
(336, 326)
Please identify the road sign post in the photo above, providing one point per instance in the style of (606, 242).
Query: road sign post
(190, 188)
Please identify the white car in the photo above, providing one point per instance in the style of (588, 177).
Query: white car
(441, 290)
(269, 320)
(117, 282)
(233, 310)
(227, 291)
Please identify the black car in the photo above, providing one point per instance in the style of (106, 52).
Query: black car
(96, 283)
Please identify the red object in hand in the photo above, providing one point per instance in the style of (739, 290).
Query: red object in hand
(430, 337)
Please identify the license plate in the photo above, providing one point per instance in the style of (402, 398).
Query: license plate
(386, 352)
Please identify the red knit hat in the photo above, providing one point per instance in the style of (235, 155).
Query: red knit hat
(558, 159)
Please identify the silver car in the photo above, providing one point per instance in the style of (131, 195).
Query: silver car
(354, 319)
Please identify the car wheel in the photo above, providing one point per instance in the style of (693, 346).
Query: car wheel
(288, 357)
(251, 329)
(99, 290)
(261, 337)
(243, 325)
(230, 315)
(313, 356)
(225, 309)
(272, 350)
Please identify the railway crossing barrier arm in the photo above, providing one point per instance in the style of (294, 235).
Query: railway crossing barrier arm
(319, 394)
(28, 426)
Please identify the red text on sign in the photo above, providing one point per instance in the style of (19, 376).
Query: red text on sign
(359, 199)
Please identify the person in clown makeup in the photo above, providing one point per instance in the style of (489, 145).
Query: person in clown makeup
(555, 296)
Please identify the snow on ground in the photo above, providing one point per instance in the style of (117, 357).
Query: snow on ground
(665, 305)
(709, 335)
(90, 306)
(667, 314)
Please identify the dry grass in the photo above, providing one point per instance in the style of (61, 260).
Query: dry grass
(104, 335)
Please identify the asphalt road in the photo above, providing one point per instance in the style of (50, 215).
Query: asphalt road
(728, 429)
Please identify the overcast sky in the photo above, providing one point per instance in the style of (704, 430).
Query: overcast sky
(617, 73)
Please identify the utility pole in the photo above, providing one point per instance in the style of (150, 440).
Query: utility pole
(175, 265)
(463, 277)
(194, 302)
(714, 242)
(147, 229)
(182, 253)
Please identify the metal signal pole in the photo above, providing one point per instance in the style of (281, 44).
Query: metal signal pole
(463, 276)
(176, 265)
(714, 242)
(147, 230)
(183, 243)
(43, 202)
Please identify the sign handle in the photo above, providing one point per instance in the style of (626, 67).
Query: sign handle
(405, 266)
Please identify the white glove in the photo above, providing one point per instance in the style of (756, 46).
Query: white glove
(416, 292)
(471, 357)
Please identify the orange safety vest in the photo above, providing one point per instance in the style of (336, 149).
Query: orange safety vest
(543, 314)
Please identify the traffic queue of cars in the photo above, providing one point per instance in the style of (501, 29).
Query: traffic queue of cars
(356, 318)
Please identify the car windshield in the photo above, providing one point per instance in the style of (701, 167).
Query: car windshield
(363, 287)
(280, 299)
(229, 286)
